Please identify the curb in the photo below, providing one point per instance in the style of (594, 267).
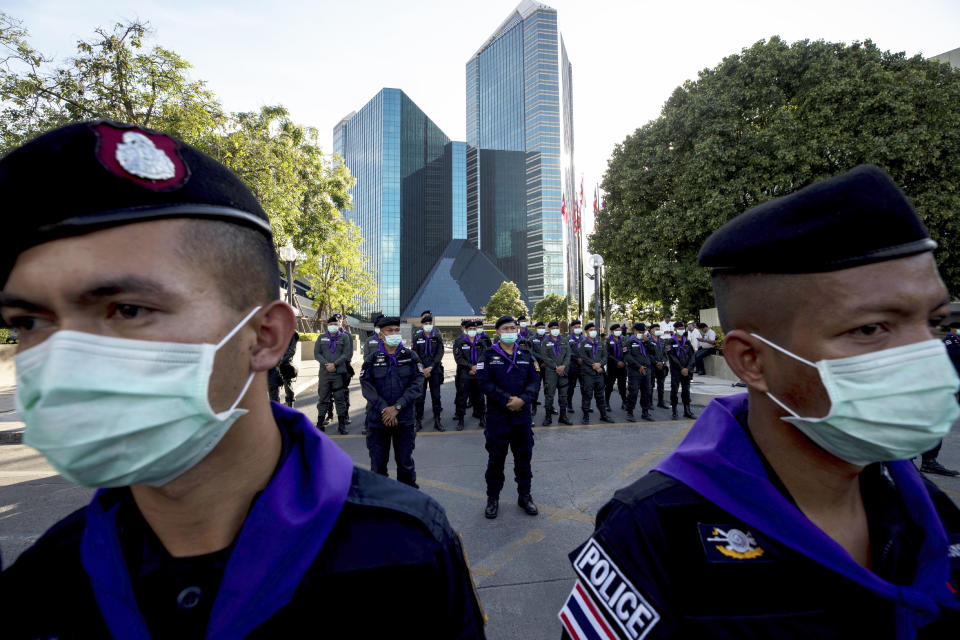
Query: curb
(11, 437)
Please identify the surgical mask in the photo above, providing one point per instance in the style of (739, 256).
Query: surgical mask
(333, 328)
(658, 333)
(472, 333)
(555, 332)
(111, 412)
(618, 333)
(393, 340)
(593, 333)
(680, 332)
(578, 330)
(892, 404)
(508, 338)
(540, 332)
(523, 325)
(427, 328)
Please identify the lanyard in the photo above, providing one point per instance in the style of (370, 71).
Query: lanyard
(513, 360)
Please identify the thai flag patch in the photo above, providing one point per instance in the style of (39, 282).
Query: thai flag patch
(479, 366)
(582, 618)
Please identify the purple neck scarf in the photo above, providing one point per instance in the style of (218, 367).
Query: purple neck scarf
(428, 340)
(280, 538)
(717, 460)
(391, 357)
(333, 341)
(511, 360)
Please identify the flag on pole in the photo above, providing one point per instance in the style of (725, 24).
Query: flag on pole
(596, 207)
(563, 208)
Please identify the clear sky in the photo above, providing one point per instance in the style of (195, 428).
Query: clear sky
(323, 59)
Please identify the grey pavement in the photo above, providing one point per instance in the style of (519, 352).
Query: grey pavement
(519, 562)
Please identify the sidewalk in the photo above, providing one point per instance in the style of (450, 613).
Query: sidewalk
(702, 391)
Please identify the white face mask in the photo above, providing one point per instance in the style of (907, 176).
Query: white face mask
(111, 412)
(593, 333)
(523, 325)
(554, 332)
(541, 331)
(472, 333)
(333, 328)
(578, 330)
(892, 404)
(658, 333)
(680, 332)
(427, 328)
(393, 340)
(618, 333)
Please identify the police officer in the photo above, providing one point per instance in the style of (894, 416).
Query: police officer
(509, 379)
(535, 343)
(524, 334)
(464, 325)
(343, 334)
(219, 514)
(284, 373)
(392, 382)
(681, 355)
(640, 364)
(555, 353)
(593, 354)
(660, 362)
(928, 461)
(765, 524)
(467, 353)
(616, 368)
(484, 338)
(333, 351)
(574, 339)
(428, 343)
(373, 342)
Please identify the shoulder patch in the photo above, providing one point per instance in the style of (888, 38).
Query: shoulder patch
(581, 617)
(724, 543)
(480, 365)
(617, 600)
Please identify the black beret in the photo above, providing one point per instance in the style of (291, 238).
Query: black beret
(614, 326)
(856, 218)
(519, 318)
(425, 319)
(425, 313)
(589, 326)
(334, 318)
(954, 325)
(678, 325)
(575, 322)
(655, 324)
(553, 323)
(640, 326)
(99, 174)
(388, 321)
(502, 320)
(466, 323)
(538, 323)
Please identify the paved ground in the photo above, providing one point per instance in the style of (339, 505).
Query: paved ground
(519, 562)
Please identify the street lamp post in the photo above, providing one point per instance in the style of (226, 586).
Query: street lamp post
(289, 255)
(597, 261)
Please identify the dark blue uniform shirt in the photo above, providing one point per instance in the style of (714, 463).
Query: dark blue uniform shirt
(502, 375)
(388, 380)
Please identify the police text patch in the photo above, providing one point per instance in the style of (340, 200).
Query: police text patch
(618, 599)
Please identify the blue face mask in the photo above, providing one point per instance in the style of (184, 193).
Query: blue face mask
(111, 412)
(892, 404)
(508, 338)
(393, 340)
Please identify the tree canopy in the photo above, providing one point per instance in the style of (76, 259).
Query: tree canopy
(553, 307)
(763, 123)
(115, 75)
(505, 301)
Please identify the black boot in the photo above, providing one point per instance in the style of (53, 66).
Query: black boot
(493, 507)
(630, 417)
(586, 418)
(483, 422)
(324, 421)
(932, 466)
(645, 414)
(342, 425)
(533, 409)
(459, 423)
(604, 417)
(436, 424)
(548, 417)
(563, 419)
(660, 401)
(525, 502)
(687, 413)
(675, 416)
(419, 424)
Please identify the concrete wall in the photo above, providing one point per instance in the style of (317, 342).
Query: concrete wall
(717, 366)
(710, 316)
(7, 373)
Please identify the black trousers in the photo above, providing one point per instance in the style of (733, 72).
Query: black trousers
(640, 384)
(591, 386)
(619, 376)
(331, 384)
(434, 382)
(469, 386)
(573, 373)
(403, 438)
(682, 383)
(508, 430)
(659, 380)
(554, 384)
(274, 382)
(536, 398)
(699, 357)
(930, 456)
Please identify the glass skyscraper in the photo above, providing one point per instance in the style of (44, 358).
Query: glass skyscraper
(410, 195)
(519, 157)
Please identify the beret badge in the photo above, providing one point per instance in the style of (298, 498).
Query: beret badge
(147, 158)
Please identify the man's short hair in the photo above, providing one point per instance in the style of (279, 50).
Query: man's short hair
(242, 261)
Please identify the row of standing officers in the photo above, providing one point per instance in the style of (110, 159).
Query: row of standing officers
(500, 380)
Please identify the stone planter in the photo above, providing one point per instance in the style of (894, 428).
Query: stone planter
(717, 366)
(305, 350)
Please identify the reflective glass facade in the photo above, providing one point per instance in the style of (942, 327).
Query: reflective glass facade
(514, 105)
(411, 184)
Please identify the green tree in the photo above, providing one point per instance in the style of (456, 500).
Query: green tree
(337, 270)
(763, 123)
(553, 307)
(505, 301)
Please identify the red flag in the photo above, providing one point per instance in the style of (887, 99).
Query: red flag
(563, 207)
(582, 203)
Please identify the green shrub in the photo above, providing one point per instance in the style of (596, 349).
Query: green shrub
(8, 336)
(719, 344)
(309, 337)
